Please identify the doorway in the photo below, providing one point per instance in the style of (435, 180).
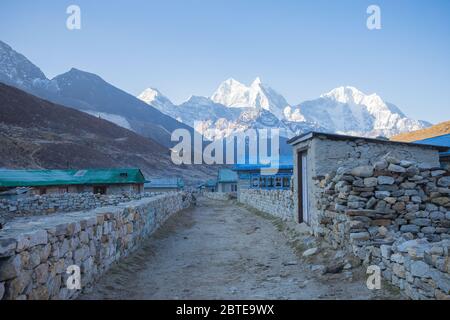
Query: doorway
(302, 187)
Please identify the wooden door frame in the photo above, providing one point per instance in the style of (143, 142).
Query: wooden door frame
(299, 185)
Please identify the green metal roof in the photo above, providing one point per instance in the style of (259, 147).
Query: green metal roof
(164, 183)
(38, 178)
(227, 175)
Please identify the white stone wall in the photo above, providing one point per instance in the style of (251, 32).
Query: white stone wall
(278, 203)
(220, 195)
(36, 251)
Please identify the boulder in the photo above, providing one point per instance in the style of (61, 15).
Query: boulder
(386, 180)
(396, 168)
(362, 171)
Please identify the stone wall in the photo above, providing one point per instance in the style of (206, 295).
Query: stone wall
(395, 214)
(65, 202)
(36, 251)
(275, 202)
(222, 196)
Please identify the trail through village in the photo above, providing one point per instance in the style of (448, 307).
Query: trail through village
(220, 250)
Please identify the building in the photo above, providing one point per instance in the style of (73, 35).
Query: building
(227, 180)
(164, 185)
(98, 181)
(318, 154)
(443, 140)
(210, 185)
(263, 176)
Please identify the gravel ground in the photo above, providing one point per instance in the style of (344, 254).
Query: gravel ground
(221, 250)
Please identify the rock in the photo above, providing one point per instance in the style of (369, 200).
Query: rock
(370, 182)
(359, 236)
(390, 200)
(7, 247)
(380, 165)
(385, 251)
(310, 252)
(416, 199)
(385, 180)
(2, 289)
(371, 203)
(423, 222)
(410, 228)
(41, 273)
(444, 182)
(382, 194)
(420, 269)
(437, 173)
(392, 160)
(38, 237)
(441, 201)
(406, 163)
(10, 267)
(318, 268)
(290, 263)
(335, 267)
(396, 168)
(398, 270)
(362, 171)
(424, 166)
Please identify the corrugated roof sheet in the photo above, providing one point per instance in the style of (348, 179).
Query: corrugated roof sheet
(162, 183)
(37, 178)
(211, 183)
(227, 176)
(443, 140)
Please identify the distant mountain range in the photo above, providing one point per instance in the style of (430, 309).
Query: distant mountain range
(89, 93)
(235, 107)
(232, 108)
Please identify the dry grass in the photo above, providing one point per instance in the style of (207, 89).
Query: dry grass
(433, 131)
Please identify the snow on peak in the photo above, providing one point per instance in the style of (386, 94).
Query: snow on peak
(156, 99)
(347, 94)
(234, 94)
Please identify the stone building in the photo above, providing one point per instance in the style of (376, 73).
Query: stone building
(164, 185)
(97, 181)
(316, 155)
(226, 180)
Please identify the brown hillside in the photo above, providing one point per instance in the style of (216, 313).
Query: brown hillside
(433, 131)
(35, 133)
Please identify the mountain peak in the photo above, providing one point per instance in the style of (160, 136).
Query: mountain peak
(345, 94)
(256, 82)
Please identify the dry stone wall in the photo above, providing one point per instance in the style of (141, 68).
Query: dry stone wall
(65, 202)
(35, 252)
(395, 214)
(278, 203)
(222, 196)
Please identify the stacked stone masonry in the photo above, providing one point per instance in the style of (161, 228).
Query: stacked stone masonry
(395, 214)
(35, 252)
(278, 203)
(220, 195)
(65, 202)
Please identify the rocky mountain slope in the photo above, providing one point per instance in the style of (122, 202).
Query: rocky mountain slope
(35, 133)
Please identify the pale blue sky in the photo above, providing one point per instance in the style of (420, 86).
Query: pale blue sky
(300, 48)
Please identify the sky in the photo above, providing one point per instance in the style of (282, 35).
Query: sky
(299, 48)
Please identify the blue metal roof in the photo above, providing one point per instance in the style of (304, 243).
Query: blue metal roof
(164, 183)
(227, 176)
(211, 183)
(284, 162)
(443, 141)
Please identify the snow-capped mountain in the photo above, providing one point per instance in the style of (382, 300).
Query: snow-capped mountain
(235, 107)
(234, 94)
(350, 111)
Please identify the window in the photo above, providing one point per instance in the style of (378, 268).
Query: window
(278, 184)
(255, 182)
(270, 182)
(286, 182)
(262, 182)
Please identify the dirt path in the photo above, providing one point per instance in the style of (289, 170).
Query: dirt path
(219, 250)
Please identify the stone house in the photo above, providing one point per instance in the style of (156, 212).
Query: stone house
(317, 154)
(97, 181)
(226, 180)
(164, 185)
